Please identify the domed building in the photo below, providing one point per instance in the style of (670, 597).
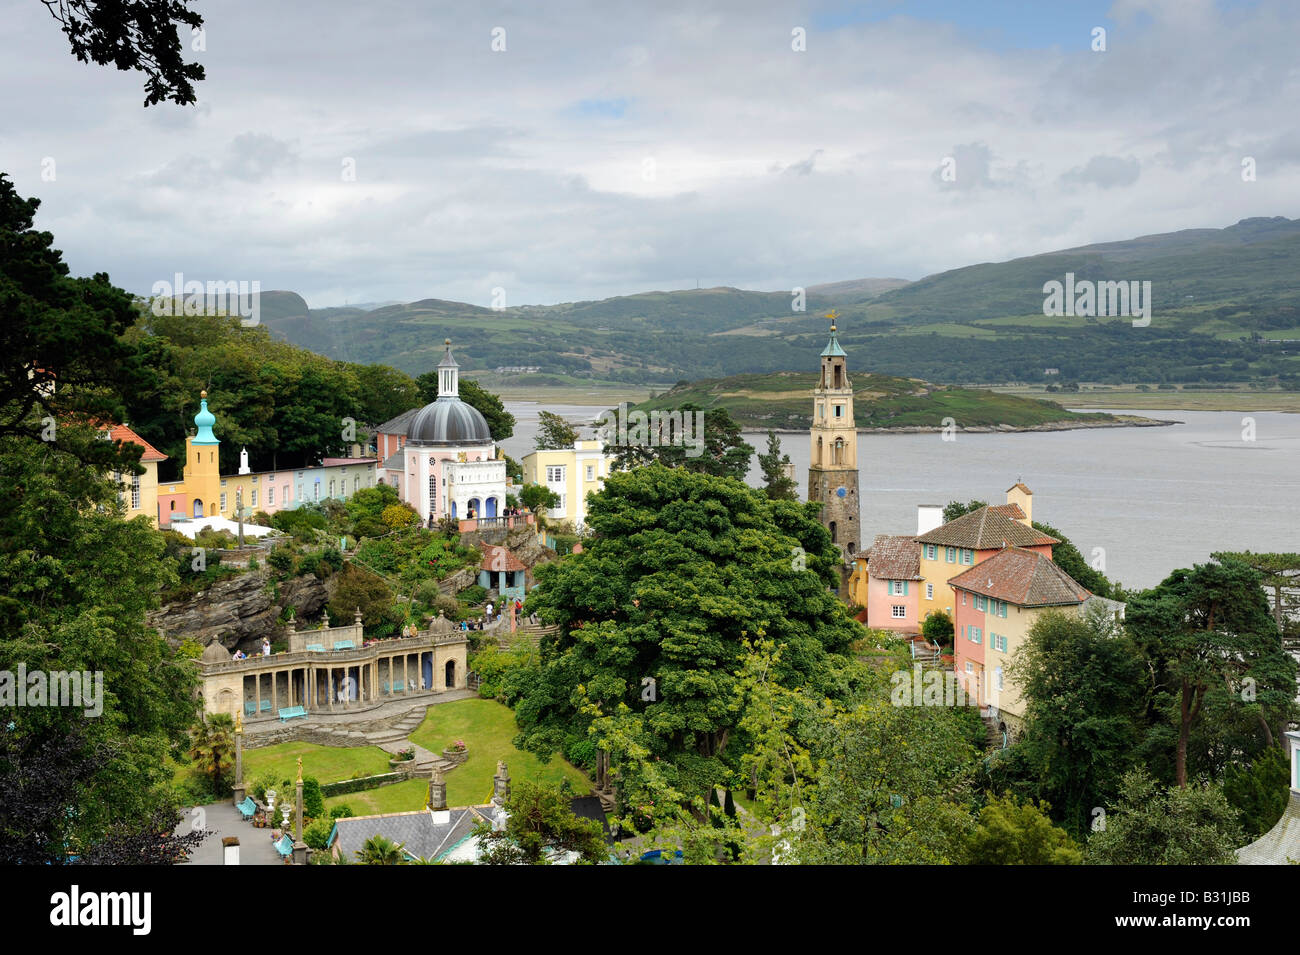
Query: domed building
(446, 462)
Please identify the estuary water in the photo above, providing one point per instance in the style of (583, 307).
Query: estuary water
(1150, 499)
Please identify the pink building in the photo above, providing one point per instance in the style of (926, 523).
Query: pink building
(893, 584)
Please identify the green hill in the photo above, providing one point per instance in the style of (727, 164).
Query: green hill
(1226, 308)
(783, 400)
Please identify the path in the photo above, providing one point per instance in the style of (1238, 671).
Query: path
(222, 819)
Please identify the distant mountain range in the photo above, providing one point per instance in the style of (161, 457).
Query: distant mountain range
(1226, 307)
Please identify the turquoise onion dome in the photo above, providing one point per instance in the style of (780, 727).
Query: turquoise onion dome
(204, 421)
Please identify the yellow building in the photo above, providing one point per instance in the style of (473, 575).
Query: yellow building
(572, 473)
(139, 492)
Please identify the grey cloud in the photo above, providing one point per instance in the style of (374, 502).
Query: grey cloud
(1105, 172)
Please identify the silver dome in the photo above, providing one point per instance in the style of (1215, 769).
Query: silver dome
(447, 422)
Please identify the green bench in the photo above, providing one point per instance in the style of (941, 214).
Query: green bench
(290, 712)
(247, 808)
(315, 648)
(266, 706)
(250, 708)
(284, 847)
(345, 645)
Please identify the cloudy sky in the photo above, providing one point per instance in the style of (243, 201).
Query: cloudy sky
(604, 152)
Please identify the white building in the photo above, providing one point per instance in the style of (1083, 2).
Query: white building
(448, 463)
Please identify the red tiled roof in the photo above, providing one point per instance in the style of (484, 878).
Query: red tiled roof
(500, 558)
(1022, 577)
(1021, 485)
(894, 558)
(1012, 511)
(987, 528)
(124, 434)
(332, 462)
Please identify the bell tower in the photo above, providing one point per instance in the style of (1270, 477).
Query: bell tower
(833, 473)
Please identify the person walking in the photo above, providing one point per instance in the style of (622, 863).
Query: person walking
(266, 647)
(489, 612)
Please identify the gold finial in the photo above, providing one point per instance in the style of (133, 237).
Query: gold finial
(832, 315)
(446, 341)
(299, 769)
(203, 394)
(239, 723)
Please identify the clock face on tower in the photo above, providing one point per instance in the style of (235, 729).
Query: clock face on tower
(841, 491)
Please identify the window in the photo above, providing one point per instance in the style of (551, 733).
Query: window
(1002, 609)
(931, 552)
(223, 498)
(979, 602)
(223, 482)
(898, 588)
(963, 598)
(356, 484)
(998, 673)
(974, 634)
(316, 491)
(929, 591)
(970, 667)
(252, 502)
(839, 411)
(555, 474)
(1002, 643)
(331, 487)
(270, 496)
(950, 555)
(968, 557)
(433, 493)
(899, 611)
(135, 491)
(591, 473)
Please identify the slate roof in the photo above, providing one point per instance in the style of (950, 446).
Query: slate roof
(417, 832)
(1281, 844)
(399, 424)
(1022, 577)
(894, 558)
(987, 528)
(124, 434)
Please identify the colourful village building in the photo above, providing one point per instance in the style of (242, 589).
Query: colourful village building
(951, 548)
(996, 602)
(202, 491)
(572, 473)
(888, 583)
(441, 458)
(138, 492)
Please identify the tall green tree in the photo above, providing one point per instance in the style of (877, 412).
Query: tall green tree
(1209, 635)
(775, 482)
(653, 616)
(541, 824)
(61, 358)
(1191, 825)
(554, 432)
(1085, 689)
(719, 450)
(143, 35)
(384, 392)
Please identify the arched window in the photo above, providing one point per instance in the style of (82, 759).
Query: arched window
(834, 539)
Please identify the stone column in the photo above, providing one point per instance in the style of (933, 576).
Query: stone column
(239, 759)
(501, 784)
(299, 847)
(275, 690)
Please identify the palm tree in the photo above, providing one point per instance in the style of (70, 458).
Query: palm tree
(380, 850)
(212, 745)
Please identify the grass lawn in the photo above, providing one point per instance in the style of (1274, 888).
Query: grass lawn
(487, 727)
(399, 797)
(328, 764)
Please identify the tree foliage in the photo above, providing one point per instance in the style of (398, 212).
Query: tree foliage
(772, 463)
(553, 432)
(1015, 833)
(540, 824)
(1192, 825)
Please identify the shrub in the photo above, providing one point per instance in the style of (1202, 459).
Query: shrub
(341, 812)
(581, 751)
(317, 833)
(449, 606)
(282, 559)
(427, 593)
(399, 515)
(313, 803)
(473, 594)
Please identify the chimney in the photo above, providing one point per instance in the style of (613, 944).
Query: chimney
(928, 517)
(501, 784)
(437, 791)
(1019, 494)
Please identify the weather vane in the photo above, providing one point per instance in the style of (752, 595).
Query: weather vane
(832, 315)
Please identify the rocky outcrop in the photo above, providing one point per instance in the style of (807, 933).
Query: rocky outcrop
(241, 609)
(453, 584)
